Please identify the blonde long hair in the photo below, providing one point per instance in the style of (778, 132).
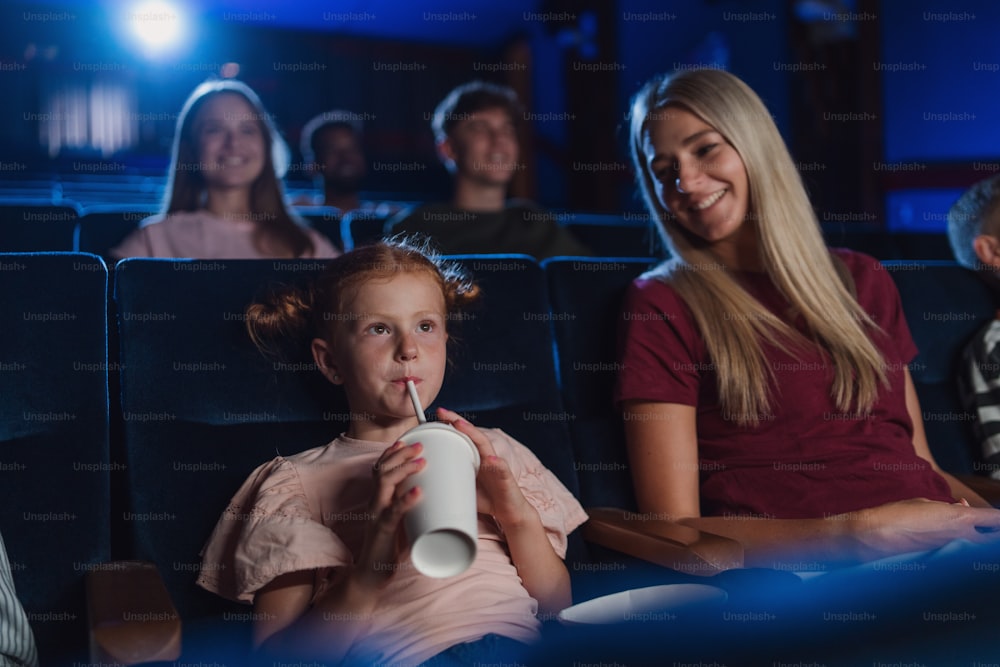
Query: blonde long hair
(815, 283)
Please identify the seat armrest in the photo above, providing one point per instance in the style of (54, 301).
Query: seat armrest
(662, 542)
(987, 487)
(130, 615)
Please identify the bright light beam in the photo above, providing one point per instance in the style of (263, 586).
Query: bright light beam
(157, 26)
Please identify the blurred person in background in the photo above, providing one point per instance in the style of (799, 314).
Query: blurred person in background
(225, 199)
(974, 232)
(475, 127)
(333, 152)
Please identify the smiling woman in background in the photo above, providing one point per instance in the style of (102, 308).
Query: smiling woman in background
(225, 199)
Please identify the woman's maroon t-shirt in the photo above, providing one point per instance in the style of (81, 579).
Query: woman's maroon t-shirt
(806, 459)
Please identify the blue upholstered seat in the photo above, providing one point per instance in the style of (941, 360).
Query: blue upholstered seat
(363, 227)
(586, 302)
(503, 374)
(54, 466)
(327, 220)
(201, 407)
(37, 225)
(616, 236)
(101, 228)
(945, 304)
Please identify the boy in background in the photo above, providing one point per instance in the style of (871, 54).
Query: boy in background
(974, 232)
(475, 127)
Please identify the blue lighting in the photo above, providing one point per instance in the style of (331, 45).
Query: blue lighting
(157, 27)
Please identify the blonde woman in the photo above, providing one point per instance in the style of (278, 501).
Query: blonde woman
(765, 388)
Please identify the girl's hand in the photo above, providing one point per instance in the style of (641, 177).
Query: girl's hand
(542, 571)
(379, 555)
(497, 492)
(920, 524)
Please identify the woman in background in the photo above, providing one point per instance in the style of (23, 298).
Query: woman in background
(225, 198)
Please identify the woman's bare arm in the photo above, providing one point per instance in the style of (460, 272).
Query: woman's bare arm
(958, 489)
(663, 455)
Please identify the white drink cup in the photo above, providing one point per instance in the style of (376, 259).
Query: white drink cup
(442, 526)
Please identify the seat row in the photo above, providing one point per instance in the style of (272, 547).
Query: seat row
(41, 225)
(129, 420)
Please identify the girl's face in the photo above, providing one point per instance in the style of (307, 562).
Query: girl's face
(391, 330)
(699, 177)
(230, 142)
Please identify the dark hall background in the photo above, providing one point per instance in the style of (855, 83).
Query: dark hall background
(889, 106)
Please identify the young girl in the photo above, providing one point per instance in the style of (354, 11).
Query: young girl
(225, 199)
(314, 541)
(765, 388)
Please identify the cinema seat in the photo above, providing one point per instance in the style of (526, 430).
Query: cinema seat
(923, 246)
(327, 220)
(871, 239)
(945, 305)
(201, 409)
(363, 227)
(586, 299)
(101, 228)
(503, 374)
(615, 236)
(37, 225)
(54, 469)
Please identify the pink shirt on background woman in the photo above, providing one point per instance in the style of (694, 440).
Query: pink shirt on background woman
(201, 235)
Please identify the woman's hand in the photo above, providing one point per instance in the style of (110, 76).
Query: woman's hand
(920, 524)
(379, 555)
(497, 492)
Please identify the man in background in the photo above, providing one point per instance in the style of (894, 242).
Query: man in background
(332, 149)
(475, 127)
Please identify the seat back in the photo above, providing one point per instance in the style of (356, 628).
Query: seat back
(616, 236)
(870, 239)
(202, 407)
(101, 228)
(945, 304)
(327, 220)
(503, 372)
(586, 300)
(923, 246)
(37, 225)
(363, 227)
(54, 466)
